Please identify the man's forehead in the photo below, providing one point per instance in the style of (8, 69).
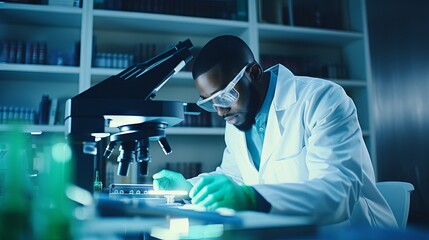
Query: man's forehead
(211, 81)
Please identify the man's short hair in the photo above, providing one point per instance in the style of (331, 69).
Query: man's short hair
(229, 52)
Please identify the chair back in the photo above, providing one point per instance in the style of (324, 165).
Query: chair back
(397, 195)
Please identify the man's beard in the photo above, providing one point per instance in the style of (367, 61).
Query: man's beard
(252, 110)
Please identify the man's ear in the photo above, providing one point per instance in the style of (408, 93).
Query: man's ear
(255, 73)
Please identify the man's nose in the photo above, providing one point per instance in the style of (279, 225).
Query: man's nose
(221, 112)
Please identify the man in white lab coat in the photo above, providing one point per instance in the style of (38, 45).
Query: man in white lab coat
(293, 144)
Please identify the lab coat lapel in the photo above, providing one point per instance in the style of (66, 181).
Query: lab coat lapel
(272, 137)
(284, 96)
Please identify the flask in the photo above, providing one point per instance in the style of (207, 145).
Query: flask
(98, 185)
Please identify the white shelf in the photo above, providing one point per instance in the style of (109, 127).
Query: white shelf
(207, 131)
(135, 21)
(39, 72)
(33, 128)
(184, 78)
(33, 14)
(274, 32)
(179, 79)
(196, 131)
(105, 72)
(202, 131)
(5, 67)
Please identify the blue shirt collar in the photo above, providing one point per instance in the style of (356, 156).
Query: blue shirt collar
(270, 93)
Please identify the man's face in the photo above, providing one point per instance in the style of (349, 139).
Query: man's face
(242, 113)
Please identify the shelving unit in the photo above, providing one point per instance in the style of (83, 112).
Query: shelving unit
(170, 131)
(40, 15)
(120, 31)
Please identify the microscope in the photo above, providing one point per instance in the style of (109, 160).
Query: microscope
(121, 108)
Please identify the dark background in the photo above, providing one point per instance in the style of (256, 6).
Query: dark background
(399, 46)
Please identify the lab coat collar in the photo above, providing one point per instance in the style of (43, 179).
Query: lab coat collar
(285, 94)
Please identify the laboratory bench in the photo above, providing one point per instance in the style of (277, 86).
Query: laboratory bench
(136, 222)
(255, 226)
(159, 218)
(142, 221)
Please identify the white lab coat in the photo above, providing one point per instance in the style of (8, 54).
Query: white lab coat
(314, 160)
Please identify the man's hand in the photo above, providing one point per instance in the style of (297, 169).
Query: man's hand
(218, 191)
(168, 180)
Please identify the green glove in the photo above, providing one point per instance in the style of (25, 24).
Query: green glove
(217, 191)
(168, 180)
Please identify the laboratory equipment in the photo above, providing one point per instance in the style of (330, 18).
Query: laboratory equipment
(122, 108)
(146, 193)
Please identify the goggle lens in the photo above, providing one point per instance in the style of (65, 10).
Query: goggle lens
(224, 98)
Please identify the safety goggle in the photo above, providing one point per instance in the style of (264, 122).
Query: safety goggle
(224, 98)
